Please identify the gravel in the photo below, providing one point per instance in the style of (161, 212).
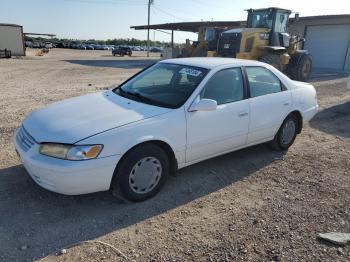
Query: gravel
(251, 205)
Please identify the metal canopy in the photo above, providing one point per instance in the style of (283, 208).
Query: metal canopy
(50, 35)
(14, 25)
(191, 26)
(194, 26)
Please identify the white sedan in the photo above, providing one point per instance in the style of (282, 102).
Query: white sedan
(173, 114)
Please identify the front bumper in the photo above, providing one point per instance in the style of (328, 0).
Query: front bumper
(65, 176)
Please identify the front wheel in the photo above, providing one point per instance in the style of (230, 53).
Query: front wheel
(142, 173)
(286, 134)
(272, 59)
(300, 69)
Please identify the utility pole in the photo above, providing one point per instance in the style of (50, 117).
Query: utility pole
(149, 19)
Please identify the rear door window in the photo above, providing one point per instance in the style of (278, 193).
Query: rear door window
(262, 81)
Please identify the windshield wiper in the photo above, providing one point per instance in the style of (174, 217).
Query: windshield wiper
(141, 98)
(138, 96)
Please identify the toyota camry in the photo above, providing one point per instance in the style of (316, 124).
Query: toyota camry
(170, 115)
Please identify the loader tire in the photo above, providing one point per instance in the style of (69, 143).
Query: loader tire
(272, 59)
(300, 70)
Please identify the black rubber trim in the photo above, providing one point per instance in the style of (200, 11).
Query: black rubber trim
(246, 82)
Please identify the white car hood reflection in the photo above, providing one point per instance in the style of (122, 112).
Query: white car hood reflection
(77, 118)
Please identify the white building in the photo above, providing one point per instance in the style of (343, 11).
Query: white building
(11, 38)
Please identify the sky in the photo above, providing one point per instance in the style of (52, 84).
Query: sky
(108, 19)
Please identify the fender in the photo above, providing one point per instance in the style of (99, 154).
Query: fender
(144, 139)
(180, 154)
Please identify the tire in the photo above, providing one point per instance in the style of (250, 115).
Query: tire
(129, 178)
(272, 59)
(282, 141)
(300, 68)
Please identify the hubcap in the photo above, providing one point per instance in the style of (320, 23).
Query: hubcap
(145, 175)
(288, 132)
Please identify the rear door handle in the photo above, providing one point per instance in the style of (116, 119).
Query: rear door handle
(242, 114)
(286, 103)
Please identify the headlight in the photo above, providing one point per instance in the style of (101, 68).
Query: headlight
(70, 152)
(55, 150)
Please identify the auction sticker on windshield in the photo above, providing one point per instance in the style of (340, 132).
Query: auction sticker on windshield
(190, 71)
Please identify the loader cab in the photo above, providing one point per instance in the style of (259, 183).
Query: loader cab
(211, 36)
(274, 19)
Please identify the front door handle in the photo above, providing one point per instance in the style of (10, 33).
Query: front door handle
(242, 114)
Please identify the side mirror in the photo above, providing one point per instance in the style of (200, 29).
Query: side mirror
(204, 105)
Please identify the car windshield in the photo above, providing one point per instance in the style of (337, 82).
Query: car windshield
(163, 84)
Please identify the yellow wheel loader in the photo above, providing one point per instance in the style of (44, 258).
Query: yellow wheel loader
(206, 45)
(266, 39)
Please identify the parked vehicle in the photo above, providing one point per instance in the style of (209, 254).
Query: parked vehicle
(36, 45)
(122, 51)
(81, 47)
(73, 45)
(61, 45)
(89, 47)
(155, 50)
(28, 43)
(99, 47)
(136, 48)
(173, 114)
(48, 45)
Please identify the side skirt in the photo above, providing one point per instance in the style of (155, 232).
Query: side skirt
(182, 165)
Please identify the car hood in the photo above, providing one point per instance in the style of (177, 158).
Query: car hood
(74, 119)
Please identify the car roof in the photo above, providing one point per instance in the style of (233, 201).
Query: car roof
(212, 62)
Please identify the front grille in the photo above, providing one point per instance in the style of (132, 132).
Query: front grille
(229, 44)
(24, 139)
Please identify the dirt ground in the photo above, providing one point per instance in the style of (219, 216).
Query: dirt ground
(251, 205)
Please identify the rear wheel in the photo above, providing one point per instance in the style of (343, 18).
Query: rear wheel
(286, 134)
(272, 59)
(141, 173)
